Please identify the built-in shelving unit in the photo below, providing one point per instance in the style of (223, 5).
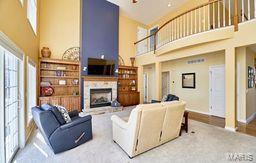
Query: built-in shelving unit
(64, 78)
(128, 94)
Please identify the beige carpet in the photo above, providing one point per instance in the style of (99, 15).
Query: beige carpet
(206, 144)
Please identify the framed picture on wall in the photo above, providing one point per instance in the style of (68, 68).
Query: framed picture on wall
(189, 80)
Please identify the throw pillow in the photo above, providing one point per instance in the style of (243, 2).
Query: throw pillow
(64, 113)
(164, 98)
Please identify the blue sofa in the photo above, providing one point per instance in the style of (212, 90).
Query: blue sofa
(59, 135)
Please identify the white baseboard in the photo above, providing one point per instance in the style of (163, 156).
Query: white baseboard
(198, 111)
(231, 129)
(251, 118)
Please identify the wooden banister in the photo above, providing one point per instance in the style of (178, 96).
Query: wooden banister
(165, 24)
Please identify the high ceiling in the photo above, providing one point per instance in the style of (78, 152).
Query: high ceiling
(147, 11)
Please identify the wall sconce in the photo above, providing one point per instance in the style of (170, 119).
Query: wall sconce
(85, 69)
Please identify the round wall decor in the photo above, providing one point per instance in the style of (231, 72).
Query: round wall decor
(72, 54)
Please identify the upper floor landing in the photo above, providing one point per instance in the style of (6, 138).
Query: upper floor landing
(214, 26)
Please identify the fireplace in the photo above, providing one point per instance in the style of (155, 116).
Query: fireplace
(100, 97)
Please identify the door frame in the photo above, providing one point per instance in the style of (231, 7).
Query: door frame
(145, 74)
(210, 83)
(169, 90)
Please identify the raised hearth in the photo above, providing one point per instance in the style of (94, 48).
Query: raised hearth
(99, 91)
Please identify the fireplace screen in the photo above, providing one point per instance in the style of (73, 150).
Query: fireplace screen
(100, 97)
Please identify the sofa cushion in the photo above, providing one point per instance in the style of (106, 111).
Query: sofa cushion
(64, 113)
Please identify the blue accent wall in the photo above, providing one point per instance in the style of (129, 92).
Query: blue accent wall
(100, 31)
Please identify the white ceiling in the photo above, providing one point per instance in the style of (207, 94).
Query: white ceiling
(147, 11)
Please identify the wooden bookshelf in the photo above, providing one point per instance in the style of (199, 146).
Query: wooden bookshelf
(128, 94)
(53, 71)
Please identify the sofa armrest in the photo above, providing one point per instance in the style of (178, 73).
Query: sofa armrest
(73, 113)
(76, 122)
(118, 121)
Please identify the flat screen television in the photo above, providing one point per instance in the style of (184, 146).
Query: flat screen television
(101, 67)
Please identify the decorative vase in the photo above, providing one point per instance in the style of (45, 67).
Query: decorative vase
(132, 61)
(46, 52)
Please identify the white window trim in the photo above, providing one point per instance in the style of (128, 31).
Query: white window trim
(29, 61)
(2, 126)
(9, 45)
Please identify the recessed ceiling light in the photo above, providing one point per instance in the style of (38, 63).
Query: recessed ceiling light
(169, 4)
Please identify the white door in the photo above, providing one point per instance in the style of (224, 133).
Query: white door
(165, 83)
(217, 90)
(142, 46)
(145, 77)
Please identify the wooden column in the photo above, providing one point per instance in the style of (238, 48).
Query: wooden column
(230, 88)
(236, 17)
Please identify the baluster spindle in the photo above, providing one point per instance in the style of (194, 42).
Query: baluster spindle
(195, 22)
(224, 13)
(243, 11)
(208, 17)
(229, 12)
(184, 25)
(213, 16)
(199, 19)
(249, 9)
(218, 4)
(204, 18)
(254, 9)
(187, 24)
(191, 21)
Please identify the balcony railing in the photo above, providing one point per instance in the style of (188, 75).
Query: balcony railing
(209, 16)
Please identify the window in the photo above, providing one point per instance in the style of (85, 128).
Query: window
(22, 2)
(31, 89)
(12, 130)
(32, 14)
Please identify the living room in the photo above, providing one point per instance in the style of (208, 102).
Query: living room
(127, 81)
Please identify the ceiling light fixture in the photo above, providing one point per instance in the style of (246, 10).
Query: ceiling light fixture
(169, 4)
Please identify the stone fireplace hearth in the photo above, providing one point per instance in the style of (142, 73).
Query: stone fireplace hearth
(99, 92)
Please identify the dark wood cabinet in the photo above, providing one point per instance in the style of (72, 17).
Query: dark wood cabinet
(128, 94)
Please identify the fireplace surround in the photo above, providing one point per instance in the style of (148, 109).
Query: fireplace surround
(99, 86)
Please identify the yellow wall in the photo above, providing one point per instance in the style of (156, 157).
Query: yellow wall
(14, 24)
(60, 25)
(193, 97)
(127, 36)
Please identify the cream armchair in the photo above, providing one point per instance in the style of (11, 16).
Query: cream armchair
(148, 126)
